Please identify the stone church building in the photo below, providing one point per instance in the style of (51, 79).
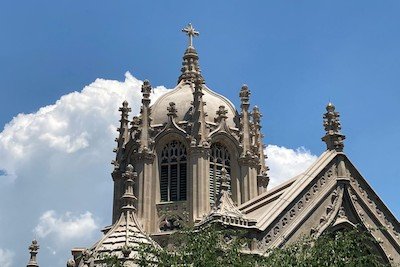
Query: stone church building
(192, 158)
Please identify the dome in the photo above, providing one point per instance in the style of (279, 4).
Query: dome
(182, 96)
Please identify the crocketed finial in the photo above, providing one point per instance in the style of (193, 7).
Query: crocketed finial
(333, 137)
(33, 250)
(244, 95)
(128, 197)
(146, 89)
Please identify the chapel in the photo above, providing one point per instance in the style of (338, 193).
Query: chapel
(192, 158)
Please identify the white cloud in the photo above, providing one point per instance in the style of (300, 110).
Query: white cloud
(65, 227)
(6, 257)
(77, 121)
(285, 163)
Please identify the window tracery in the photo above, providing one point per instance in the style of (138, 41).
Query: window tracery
(173, 172)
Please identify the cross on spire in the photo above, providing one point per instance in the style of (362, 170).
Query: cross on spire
(191, 32)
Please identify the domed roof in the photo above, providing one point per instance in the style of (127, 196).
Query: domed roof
(182, 96)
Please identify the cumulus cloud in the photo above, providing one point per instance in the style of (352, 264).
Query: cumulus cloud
(77, 121)
(6, 257)
(285, 163)
(65, 227)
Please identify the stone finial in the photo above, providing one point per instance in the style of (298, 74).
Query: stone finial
(333, 137)
(257, 115)
(129, 198)
(245, 126)
(172, 110)
(125, 109)
(146, 89)
(221, 114)
(245, 95)
(33, 250)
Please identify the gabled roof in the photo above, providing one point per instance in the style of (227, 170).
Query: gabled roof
(330, 194)
(275, 201)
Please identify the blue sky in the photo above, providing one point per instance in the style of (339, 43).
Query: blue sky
(294, 55)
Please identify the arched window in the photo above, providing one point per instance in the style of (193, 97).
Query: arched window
(173, 171)
(219, 158)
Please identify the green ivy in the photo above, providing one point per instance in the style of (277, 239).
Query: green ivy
(216, 246)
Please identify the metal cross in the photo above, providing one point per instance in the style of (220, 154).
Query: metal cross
(191, 32)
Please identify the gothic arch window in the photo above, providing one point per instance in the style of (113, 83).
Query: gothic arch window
(173, 172)
(219, 158)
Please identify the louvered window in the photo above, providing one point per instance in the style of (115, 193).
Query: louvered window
(219, 159)
(173, 172)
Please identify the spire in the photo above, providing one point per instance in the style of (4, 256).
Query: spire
(199, 116)
(245, 121)
(129, 198)
(333, 137)
(224, 203)
(33, 250)
(259, 146)
(123, 134)
(190, 65)
(145, 117)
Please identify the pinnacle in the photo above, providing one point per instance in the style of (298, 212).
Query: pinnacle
(333, 137)
(33, 250)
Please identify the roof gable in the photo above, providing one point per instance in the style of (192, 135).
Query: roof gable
(330, 193)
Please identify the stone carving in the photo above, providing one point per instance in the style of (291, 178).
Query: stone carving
(174, 215)
(33, 250)
(333, 137)
(172, 110)
(299, 206)
(362, 189)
